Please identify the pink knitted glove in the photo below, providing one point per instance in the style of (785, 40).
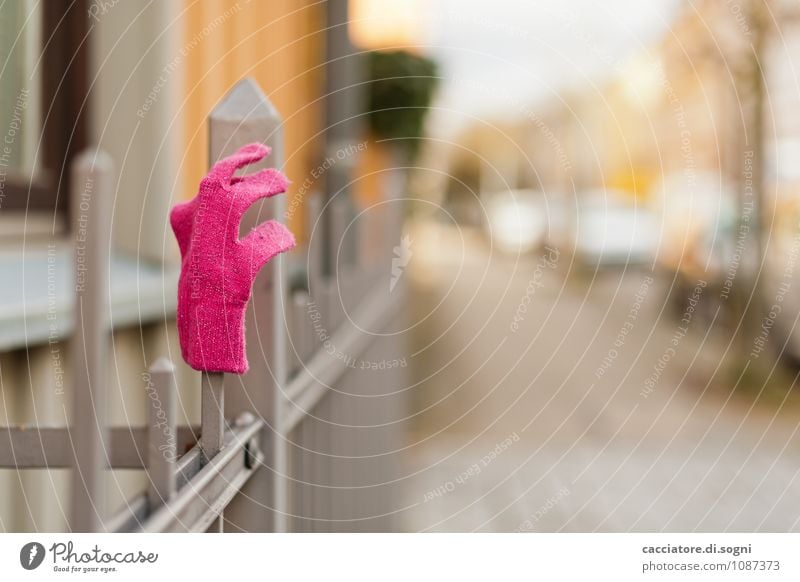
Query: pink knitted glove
(217, 268)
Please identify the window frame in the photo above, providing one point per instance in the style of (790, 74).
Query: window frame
(64, 102)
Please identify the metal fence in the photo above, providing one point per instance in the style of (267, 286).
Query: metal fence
(306, 440)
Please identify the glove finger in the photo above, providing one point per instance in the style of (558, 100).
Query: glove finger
(224, 169)
(267, 240)
(263, 184)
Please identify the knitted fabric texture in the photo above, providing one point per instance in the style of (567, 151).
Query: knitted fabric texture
(217, 267)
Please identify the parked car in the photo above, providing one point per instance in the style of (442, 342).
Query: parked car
(518, 221)
(608, 229)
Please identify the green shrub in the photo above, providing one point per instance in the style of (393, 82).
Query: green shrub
(399, 96)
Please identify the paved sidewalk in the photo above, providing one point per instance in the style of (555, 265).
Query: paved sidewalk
(569, 422)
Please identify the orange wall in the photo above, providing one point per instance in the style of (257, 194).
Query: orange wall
(277, 42)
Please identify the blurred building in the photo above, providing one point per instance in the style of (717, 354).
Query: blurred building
(670, 127)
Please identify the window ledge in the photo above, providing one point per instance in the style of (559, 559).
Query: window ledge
(37, 295)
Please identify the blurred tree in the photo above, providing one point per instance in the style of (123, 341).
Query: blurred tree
(399, 96)
(735, 39)
(764, 20)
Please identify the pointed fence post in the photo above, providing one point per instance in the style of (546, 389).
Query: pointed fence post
(245, 115)
(92, 191)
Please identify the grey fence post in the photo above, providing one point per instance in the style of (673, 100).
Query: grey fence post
(212, 424)
(314, 492)
(212, 413)
(92, 189)
(244, 116)
(161, 433)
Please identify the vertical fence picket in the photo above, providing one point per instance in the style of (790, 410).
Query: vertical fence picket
(297, 307)
(394, 191)
(212, 413)
(323, 497)
(338, 399)
(337, 259)
(315, 248)
(245, 115)
(92, 189)
(212, 424)
(161, 433)
(316, 320)
(299, 339)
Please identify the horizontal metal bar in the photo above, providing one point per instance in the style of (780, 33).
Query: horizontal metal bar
(322, 370)
(201, 500)
(131, 517)
(26, 447)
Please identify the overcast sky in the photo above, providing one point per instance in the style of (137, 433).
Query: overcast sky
(493, 52)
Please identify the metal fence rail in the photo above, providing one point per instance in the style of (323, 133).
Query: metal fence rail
(301, 442)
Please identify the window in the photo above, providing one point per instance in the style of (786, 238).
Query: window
(43, 92)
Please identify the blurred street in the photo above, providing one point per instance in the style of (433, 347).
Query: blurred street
(570, 423)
